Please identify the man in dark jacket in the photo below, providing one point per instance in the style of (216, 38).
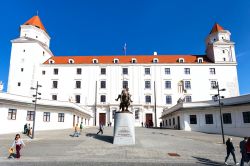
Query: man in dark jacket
(243, 151)
(230, 149)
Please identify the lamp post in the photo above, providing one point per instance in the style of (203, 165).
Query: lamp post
(220, 106)
(35, 101)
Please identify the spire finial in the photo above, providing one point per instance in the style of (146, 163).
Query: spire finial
(37, 12)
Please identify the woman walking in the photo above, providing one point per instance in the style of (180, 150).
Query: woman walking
(230, 149)
(18, 142)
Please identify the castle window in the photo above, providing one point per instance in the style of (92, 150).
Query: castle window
(116, 60)
(43, 53)
(12, 114)
(224, 59)
(187, 85)
(147, 84)
(188, 99)
(30, 115)
(103, 84)
(125, 71)
(78, 98)
(95, 61)
(168, 84)
(46, 116)
(168, 99)
(103, 71)
(55, 71)
(78, 71)
(193, 119)
(60, 117)
(213, 84)
(167, 71)
(133, 60)
(24, 50)
(103, 98)
(19, 84)
(147, 71)
(246, 117)
(124, 84)
(200, 60)
(43, 72)
(212, 70)
(51, 61)
(148, 99)
(54, 97)
(78, 84)
(71, 61)
(36, 36)
(223, 51)
(155, 60)
(187, 70)
(55, 84)
(227, 118)
(21, 69)
(181, 60)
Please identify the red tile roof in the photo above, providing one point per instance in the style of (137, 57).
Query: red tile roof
(142, 59)
(35, 21)
(216, 28)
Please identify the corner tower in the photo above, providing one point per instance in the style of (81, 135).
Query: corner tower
(27, 53)
(219, 47)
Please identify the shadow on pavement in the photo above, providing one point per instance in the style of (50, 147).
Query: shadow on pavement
(206, 161)
(105, 138)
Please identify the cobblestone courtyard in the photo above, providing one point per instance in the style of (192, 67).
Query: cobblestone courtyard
(152, 147)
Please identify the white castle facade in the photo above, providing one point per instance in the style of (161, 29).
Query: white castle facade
(94, 82)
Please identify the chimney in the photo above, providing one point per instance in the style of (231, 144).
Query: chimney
(155, 53)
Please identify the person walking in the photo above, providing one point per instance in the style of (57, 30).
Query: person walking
(18, 142)
(248, 150)
(28, 130)
(243, 151)
(230, 149)
(25, 128)
(76, 133)
(100, 129)
(81, 127)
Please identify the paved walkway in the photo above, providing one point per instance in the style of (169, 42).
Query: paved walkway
(152, 148)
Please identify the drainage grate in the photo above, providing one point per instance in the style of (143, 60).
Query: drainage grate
(174, 154)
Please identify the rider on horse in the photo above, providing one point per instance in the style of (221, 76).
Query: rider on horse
(125, 98)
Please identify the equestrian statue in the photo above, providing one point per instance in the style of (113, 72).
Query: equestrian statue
(125, 99)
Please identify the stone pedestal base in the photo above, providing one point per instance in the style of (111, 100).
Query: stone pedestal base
(124, 129)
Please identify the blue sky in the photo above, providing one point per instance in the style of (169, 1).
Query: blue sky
(98, 27)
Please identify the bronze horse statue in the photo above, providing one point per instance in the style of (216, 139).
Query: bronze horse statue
(125, 98)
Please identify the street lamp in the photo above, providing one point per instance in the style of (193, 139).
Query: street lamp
(220, 106)
(35, 101)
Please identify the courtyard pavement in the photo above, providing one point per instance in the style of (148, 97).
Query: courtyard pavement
(153, 147)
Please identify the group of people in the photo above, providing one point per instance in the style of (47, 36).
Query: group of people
(244, 149)
(27, 130)
(109, 124)
(77, 132)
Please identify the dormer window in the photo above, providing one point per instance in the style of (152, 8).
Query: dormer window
(51, 61)
(116, 60)
(71, 61)
(200, 60)
(95, 60)
(181, 60)
(155, 60)
(133, 60)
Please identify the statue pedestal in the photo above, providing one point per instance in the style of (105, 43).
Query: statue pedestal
(124, 129)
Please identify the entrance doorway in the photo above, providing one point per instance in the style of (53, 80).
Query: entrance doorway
(149, 120)
(102, 118)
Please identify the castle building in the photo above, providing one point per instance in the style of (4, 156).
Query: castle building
(94, 82)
